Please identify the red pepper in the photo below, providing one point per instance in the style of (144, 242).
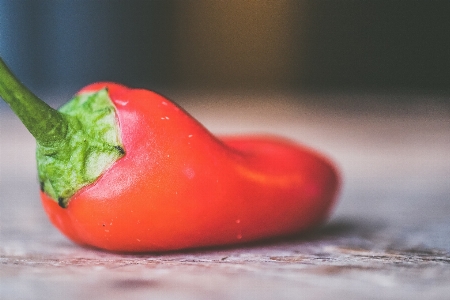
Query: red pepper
(177, 186)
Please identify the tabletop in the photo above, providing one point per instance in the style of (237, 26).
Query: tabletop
(388, 238)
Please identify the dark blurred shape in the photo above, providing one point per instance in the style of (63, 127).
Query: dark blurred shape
(387, 44)
(315, 44)
(238, 44)
(63, 44)
(273, 44)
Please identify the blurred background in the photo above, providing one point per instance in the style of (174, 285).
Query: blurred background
(366, 82)
(304, 45)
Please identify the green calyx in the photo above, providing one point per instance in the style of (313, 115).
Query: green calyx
(75, 144)
(92, 144)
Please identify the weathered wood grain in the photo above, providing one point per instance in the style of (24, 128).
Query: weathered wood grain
(388, 239)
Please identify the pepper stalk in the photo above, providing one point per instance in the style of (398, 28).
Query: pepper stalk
(75, 144)
(46, 124)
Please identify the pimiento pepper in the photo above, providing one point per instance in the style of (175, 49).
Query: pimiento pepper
(128, 170)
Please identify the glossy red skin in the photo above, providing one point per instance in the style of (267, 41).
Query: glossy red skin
(180, 187)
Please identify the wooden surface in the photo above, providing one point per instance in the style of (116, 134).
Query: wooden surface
(389, 237)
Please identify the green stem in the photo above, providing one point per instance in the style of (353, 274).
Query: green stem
(46, 124)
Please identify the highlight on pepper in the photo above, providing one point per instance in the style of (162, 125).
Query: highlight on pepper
(128, 170)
